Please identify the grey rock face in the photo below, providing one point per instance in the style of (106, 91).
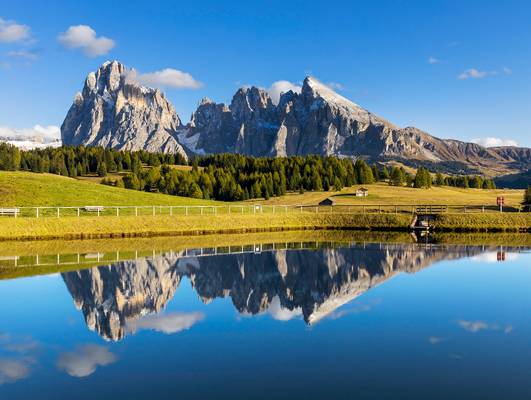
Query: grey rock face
(320, 121)
(117, 299)
(114, 112)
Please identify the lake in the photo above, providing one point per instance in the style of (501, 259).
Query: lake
(280, 317)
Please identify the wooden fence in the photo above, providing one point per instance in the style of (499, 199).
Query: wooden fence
(118, 211)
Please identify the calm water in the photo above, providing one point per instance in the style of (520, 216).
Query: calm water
(371, 320)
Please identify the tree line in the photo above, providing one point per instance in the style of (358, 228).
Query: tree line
(222, 176)
(424, 179)
(81, 160)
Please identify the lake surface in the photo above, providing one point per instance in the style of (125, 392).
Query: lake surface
(270, 320)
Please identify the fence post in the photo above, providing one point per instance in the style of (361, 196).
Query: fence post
(78, 211)
(171, 210)
(136, 211)
(363, 209)
(186, 210)
(37, 212)
(58, 212)
(117, 211)
(98, 212)
(317, 209)
(201, 210)
(153, 210)
(396, 209)
(482, 209)
(301, 209)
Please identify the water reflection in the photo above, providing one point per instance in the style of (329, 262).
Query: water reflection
(127, 296)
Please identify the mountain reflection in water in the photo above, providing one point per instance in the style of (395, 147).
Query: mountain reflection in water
(126, 296)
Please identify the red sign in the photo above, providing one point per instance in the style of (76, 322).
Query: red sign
(500, 201)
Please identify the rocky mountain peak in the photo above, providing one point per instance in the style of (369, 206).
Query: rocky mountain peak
(115, 111)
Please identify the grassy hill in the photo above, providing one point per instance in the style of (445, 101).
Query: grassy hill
(31, 189)
(382, 193)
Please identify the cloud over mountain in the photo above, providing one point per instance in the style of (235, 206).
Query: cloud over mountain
(83, 37)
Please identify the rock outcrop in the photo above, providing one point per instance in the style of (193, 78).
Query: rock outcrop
(114, 111)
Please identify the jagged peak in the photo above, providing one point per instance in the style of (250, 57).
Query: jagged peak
(313, 87)
(205, 101)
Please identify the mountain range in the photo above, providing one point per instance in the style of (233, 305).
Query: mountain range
(123, 297)
(113, 110)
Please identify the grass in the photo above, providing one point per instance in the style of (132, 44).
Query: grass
(488, 222)
(75, 254)
(31, 189)
(382, 193)
(159, 225)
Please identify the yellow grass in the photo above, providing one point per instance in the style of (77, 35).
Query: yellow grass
(31, 189)
(107, 226)
(382, 193)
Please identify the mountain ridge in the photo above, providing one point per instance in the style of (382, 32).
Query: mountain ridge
(114, 111)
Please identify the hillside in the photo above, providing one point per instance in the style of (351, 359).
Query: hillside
(32, 189)
(382, 193)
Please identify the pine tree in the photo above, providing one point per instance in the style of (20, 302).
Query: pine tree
(338, 185)
(384, 174)
(439, 179)
(375, 172)
(102, 169)
(527, 199)
(397, 177)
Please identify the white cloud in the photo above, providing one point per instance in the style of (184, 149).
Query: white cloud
(84, 360)
(494, 142)
(13, 369)
(473, 73)
(168, 77)
(433, 60)
(23, 54)
(475, 326)
(166, 323)
(83, 37)
(335, 85)
(11, 32)
(279, 87)
(282, 314)
(435, 339)
(45, 133)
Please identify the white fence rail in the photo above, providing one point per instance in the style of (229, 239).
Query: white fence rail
(120, 211)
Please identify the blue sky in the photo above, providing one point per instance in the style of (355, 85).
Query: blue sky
(400, 59)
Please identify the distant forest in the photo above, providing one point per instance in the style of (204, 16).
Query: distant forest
(229, 177)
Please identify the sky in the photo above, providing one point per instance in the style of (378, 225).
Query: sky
(456, 69)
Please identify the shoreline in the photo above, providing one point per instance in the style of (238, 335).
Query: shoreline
(106, 227)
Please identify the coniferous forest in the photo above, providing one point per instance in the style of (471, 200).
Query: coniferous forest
(229, 177)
